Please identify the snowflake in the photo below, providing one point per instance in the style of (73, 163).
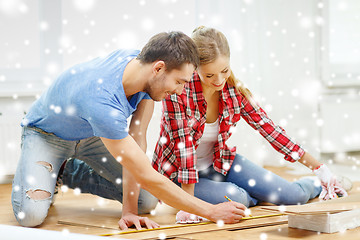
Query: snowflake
(104, 159)
(84, 5)
(118, 181)
(64, 188)
(181, 145)
(77, 191)
(220, 223)
(65, 232)
(70, 110)
(232, 129)
(295, 155)
(226, 166)
(237, 168)
(306, 22)
(166, 166)
(282, 208)
(252, 182)
(319, 122)
(16, 188)
(231, 189)
(247, 212)
(162, 236)
(263, 236)
(268, 177)
(30, 180)
(57, 109)
(21, 215)
(114, 113)
(273, 197)
(100, 201)
(148, 24)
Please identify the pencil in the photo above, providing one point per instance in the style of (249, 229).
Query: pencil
(227, 198)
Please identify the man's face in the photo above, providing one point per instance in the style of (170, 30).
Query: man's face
(167, 83)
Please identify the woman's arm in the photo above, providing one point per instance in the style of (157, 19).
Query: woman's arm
(309, 161)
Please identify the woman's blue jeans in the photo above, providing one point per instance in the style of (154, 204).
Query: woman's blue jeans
(249, 184)
(42, 155)
(245, 182)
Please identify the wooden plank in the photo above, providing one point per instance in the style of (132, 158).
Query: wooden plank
(187, 231)
(71, 206)
(327, 223)
(313, 209)
(331, 206)
(276, 232)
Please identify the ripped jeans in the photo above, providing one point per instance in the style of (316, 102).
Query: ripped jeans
(42, 155)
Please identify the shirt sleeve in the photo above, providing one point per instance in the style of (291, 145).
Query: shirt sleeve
(179, 132)
(107, 117)
(274, 134)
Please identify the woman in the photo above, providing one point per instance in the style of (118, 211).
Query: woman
(192, 148)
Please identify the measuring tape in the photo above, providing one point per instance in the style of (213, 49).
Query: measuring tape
(187, 225)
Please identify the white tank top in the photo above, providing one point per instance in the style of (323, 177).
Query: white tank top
(205, 150)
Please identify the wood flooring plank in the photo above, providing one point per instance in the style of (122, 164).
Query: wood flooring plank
(89, 208)
(331, 206)
(278, 232)
(188, 231)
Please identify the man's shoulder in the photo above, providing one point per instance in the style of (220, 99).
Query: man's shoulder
(125, 52)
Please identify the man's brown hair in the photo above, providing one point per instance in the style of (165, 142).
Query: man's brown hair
(174, 48)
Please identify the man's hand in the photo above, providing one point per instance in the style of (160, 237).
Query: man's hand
(229, 212)
(130, 219)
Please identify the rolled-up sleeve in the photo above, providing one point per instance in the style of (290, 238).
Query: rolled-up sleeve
(274, 134)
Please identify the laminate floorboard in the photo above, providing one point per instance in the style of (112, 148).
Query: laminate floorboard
(88, 214)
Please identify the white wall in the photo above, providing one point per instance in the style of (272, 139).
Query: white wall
(275, 47)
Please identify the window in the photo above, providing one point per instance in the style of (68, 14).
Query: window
(29, 45)
(341, 42)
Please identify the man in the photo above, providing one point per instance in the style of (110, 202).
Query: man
(83, 115)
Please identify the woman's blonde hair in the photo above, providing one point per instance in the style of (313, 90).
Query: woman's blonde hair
(212, 43)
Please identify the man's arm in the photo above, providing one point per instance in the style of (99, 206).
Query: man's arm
(138, 128)
(130, 155)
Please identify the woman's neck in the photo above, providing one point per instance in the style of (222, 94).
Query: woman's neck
(208, 92)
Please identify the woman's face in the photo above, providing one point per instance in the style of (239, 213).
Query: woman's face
(214, 75)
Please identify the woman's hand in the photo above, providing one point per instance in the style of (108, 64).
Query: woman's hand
(185, 217)
(330, 186)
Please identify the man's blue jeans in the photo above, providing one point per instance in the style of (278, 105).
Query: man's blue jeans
(42, 155)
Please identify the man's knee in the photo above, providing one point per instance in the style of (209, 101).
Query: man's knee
(33, 212)
(147, 204)
(38, 194)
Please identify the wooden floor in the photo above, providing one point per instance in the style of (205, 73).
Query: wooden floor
(93, 215)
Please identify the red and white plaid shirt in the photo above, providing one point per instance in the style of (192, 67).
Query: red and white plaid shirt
(182, 125)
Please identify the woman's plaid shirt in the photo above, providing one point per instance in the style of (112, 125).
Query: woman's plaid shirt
(182, 125)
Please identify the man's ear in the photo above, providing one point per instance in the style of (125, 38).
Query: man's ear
(159, 66)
